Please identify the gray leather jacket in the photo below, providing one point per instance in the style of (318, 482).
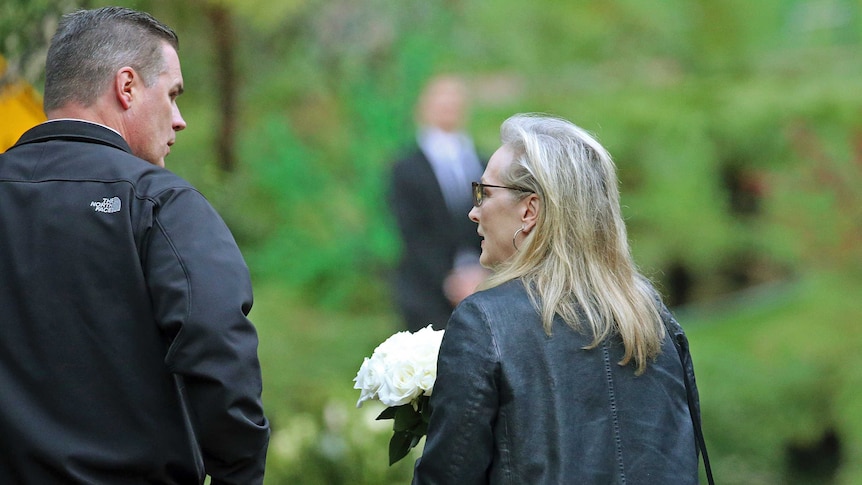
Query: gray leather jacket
(512, 405)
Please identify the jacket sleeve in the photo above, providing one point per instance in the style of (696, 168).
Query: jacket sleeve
(201, 293)
(459, 446)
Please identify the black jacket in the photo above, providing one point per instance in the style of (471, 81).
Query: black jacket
(512, 405)
(125, 352)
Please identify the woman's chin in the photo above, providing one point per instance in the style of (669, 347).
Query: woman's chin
(487, 261)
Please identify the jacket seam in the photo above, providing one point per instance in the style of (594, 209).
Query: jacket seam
(614, 417)
(505, 452)
(172, 347)
(148, 197)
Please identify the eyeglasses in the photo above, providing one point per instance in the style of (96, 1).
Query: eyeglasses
(479, 191)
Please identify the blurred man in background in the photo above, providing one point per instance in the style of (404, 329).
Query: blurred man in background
(430, 197)
(126, 355)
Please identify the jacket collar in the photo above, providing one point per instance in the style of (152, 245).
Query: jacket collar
(74, 130)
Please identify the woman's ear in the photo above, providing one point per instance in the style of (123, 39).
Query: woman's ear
(532, 206)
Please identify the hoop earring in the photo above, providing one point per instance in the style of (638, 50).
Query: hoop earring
(515, 236)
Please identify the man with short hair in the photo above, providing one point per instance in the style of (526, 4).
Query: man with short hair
(126, 354)
(429, 194)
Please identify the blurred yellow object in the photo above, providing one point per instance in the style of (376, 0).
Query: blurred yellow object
(20, 109)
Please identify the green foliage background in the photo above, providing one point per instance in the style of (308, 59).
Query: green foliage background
(686, 94)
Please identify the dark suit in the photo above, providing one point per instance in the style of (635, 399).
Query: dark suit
(432, 235)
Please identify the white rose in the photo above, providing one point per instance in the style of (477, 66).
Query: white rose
(369, 379)
(399, 384)
(427, 343)
(401, 368)
(395, 345)
(425, 380)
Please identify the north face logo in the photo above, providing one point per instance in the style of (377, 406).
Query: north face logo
(107, 205)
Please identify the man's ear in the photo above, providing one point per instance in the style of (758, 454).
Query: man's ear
(124, 85)
(532, 206)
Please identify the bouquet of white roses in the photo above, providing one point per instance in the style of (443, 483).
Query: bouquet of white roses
(401, 374)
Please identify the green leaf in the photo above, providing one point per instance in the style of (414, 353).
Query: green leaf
(388, 413)
(399, 446)
(415, 439)
(406, 418)
(420, 429)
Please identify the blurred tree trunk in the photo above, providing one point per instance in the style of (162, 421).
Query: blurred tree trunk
(224, 36)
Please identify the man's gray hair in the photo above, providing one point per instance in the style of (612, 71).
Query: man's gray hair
(91, 45)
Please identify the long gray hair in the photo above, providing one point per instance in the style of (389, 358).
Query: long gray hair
(577, 258)
(91, 45)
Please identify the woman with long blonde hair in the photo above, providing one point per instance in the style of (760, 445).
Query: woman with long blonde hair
(565, 368)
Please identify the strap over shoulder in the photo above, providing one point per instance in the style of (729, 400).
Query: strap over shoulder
(680, 341)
